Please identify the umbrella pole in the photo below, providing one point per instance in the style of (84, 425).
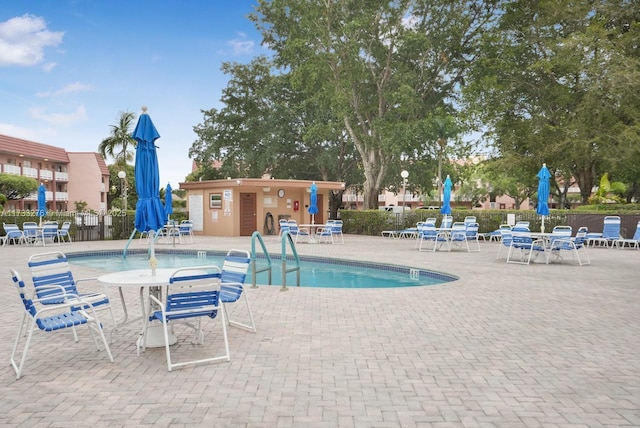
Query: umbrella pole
(542, 225)
(153, 262)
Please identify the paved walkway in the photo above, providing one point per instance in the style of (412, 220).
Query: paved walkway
(505, 345)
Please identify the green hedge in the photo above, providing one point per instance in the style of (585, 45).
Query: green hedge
(373, 222)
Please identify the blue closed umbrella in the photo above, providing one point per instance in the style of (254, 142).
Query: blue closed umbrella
(446, 198)
(543, 193)
(168, 201)
(313, 202)
(150, 214)
(42, 201)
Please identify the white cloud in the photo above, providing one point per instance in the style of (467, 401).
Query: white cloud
(19, 132)
(23, 40)
(49, 66)
(71, 88)
(241, 46)
(59, 119)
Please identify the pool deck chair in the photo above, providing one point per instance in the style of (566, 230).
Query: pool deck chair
(523, 247)
(185, 231)
(630, 243)
(53, 269)
(298, 232)
(429, 234)
(332, 231)
(577, 247)
(506, 235)
(13, 234)
(193, 296)
(64, 233)
(234, 273)
(50, 233)
(610, 232)
(458, 236)
(71, 312)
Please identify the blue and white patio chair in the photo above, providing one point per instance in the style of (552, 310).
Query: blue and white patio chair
(506, 236)
(633, 242)
(13, 234)
(336, 232)
(523, 247)
(31, 233)
(560, 232)
(610, 232)
(429, 234)
(496, 235)
(53, 269)
(471, 235)
(193, 296)
(50, 232)
(234, 274)
(458, 236)
(284, 225)
(70, 312)
(297, 232)
(447, 221)
(185, 229)
(575, 246)
(64, 233)
(324, 234)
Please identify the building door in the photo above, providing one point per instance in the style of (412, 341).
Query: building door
(248, 223)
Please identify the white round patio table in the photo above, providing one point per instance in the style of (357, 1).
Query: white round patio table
(141, 279)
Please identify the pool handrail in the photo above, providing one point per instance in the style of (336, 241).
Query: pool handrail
(126, 247)
(254, 271)
(286, 237)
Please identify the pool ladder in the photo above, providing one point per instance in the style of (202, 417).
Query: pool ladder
(286, 239)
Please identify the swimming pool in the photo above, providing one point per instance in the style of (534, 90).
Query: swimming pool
(314, 271)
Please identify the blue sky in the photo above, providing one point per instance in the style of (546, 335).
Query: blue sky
(69, 67)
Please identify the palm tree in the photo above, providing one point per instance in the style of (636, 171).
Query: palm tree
(120, 138)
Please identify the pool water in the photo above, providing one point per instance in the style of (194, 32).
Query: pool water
(314, 271)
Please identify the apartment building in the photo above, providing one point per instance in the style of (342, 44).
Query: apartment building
(69, 177)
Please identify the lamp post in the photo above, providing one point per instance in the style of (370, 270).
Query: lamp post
(122, 175)
(123, 191)
(441, 142)
(404, 174)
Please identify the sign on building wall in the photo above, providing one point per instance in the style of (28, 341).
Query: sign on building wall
(227, 195)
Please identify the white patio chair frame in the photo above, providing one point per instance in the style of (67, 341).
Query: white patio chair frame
(53, 269)
(193, 294)
(232, 288)
(50, 318)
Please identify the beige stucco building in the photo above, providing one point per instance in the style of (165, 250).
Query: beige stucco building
(240, 206)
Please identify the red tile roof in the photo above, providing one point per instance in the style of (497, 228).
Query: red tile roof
(31, 149)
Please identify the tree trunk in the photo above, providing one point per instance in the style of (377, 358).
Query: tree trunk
(374, 165)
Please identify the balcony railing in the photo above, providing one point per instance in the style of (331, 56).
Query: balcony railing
(46, 174)
(62, 176)
(29, 172)
(11, 169)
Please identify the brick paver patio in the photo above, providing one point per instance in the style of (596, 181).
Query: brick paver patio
(505, 345)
